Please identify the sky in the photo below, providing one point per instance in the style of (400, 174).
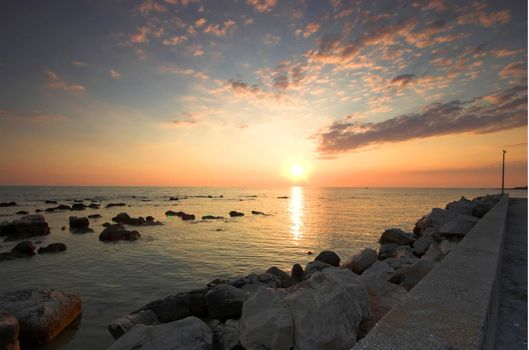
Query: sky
(263, 93)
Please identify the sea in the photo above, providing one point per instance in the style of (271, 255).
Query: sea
(114, 279)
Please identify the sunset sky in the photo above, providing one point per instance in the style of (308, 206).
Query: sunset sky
(236, 93)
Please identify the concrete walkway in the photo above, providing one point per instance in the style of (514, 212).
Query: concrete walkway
(511, 332)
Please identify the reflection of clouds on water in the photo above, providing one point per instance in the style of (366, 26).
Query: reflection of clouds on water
(295, 209)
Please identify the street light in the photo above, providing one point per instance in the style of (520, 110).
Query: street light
(503, 172)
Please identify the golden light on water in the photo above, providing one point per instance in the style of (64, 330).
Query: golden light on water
(295, 209)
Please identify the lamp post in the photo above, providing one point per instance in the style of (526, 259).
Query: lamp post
(503, 172)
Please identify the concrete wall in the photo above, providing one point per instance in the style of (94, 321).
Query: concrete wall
(456, 303)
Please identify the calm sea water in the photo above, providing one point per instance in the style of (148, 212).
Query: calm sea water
(116, 278)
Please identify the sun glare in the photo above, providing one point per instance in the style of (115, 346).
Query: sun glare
(297, 171)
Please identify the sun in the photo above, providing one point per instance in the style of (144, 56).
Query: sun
(297, 171)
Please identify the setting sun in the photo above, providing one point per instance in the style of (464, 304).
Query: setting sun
(297, 171)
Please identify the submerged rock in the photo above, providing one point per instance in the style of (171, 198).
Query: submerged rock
(255, 212)
(42, 313)
(94, 216)
(52, 248)
(180, 214)
(78, 222)
(78, 206)
(124, 218)
(25, 247)
(110, 205)
(212, 217)
(22, 212)
(118, 233)
(48, 201)
(27, 226)
(8, 204)
(234, 213)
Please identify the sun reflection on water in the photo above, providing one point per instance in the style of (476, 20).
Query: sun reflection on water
(295, 209)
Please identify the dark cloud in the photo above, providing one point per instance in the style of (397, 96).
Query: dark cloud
(239, 86)
(403, 80)
(502, 110)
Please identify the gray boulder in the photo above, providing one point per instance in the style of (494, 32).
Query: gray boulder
(286, 280)
(226, 336)
(433, 253)
(416, 272)
(462, 206)
(380, 270)
(397, 236)
(42, 313)
(297, 273)
(315, 266)
(458, 226)
(78, 222)
(387, 251)
(421, 245)
(328, 257)
(225, 301)
(122, 325)
(24, 248)
(266, 321)
(361, 261)
(9, 329)
(188, 333)
(447, 245)
(52, 248)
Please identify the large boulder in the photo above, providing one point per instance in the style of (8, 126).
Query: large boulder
(266, 321)
(225, 301)
(433, 253)
(188, 333)
(397, 236)
(52, 248)
(387, 251)
(122, 325)
(9, 329)
(458, 226)
(226, 336)
(383, 296)
(361, 261)
(480, 210)
(118, 233)
(27, 226)
(255, 281)
(42, 313)
(380, 270)
(24, 248)
(328, 257)
(462, 206)
(315, 266)
(297, 273)
(416, 272)
(78, 222)
(285, 278)
(421, 245)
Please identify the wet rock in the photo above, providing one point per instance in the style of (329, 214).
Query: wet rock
(255, 281)
(173, 198)
(286, 280)
(180, 214)
(387, 251)
(118, 233)
(361, 261)
(93, 206)
(78, 222)
(78, 206)
(27, 226)
(328, 257)
(397, 236)
(458, 226)
(8, 204)
(125, 219)
(234, 213)
(22, 212)
(52, 248)
(94, 216)
(9, 330)
(187, 217)
(106, 224)
(48, 201)
(416, 272)
(282, 197)
(122, 325)
(212, 217)
(315, 266)
(59, 207)
(297, 273)
(188, 333)
(78, 201)
(380, 270)
(266, 321)
(42, 313)
(254, 212)
(149, 218)
(25, 248)
(110, 205)
(225, 301)
(309, 253)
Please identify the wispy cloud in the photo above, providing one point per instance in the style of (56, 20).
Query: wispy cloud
(35, 116)
(516, 69)
(262, 5)
(114, 74)
(502, 110)
(79, 63)
(172, 69)
(221, 29)
(175, 40)
(56, 82)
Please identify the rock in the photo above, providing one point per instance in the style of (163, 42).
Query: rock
(118, 233)
(172, 308)
(180, 214)
(226, 335)
(266, 321)
(94, 216)
(395, 235)
(172, 213)
(315, 266)
(328, 257)
(255, 281)
(387, 251)
(149, 218)
(462, 206)
(234, 213)
(480, 210)
(25, 247)
(42, 313)
(447, 245)
(421, 245)
(286, 280)
(254, 212)
(458, 226)
(78, 206)
(416, 272)
(110, 205)
(309, 253)
(78, 222)
(188, 333)
(361, 261)
(9, 330)
(59, 207)
(122, 325)
(78, 201)
(8, 204)
(380, 270)
(225, 301)
(297, 273)
(63, 228)
(93, 206)
(124, 218)
(22, 212)
(27, 226)
(52, 248)
(212, 217)
(382, 296)
(50, 202)
(433, 253)
(404, 252)
(282, 197)
(186, 217)
(173, 198)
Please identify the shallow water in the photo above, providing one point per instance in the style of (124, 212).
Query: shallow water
(114, 279)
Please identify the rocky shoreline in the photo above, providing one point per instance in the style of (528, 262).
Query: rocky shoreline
(328, 304)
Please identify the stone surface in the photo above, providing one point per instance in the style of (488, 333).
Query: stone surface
(328, 257)
(361, 261)
(421, 245)
(266, 321)
(397, 236)
(380, 270)
(416, 272)
(118, 233)
(226, 336)
(458, 226)
(9, 330)
(225, 301)
(186, 334)
(52, 248)
(315, 266)
(42, 313)
(387, 251)
(433, 253)
(297, 273)
(78, 222)
(25, 248)
(122, 325)
(27, 226)
(447, 245)
(286, 280)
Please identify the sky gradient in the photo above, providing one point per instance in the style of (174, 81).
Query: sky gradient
(234, 93)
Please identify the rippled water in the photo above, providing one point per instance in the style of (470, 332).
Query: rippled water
(116, 278)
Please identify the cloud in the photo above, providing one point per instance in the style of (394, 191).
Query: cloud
(310, 29)
(262, 5)
(79, 63)
(485, 19)
(505, 109)
(403, 80)
(114, 74)
(515, 69)
(270, 39)
(185, 119)
(143, 33)
(220, 30)
(35, 116)
(200, 22)
(175, 40)
(148, 6)
(56, 82)
(172, 69)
